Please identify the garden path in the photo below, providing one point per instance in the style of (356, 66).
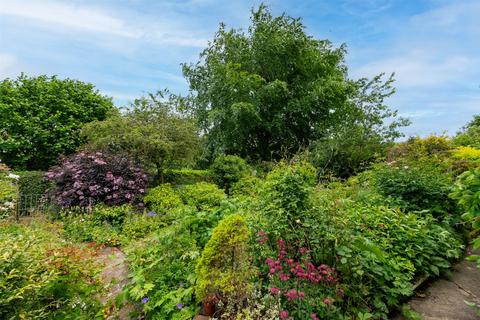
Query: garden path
(115, 273)
(444, 299)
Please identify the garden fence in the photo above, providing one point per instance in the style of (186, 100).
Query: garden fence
(29, 204)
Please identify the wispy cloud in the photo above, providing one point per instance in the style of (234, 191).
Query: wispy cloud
(9, 65)
(63, 14)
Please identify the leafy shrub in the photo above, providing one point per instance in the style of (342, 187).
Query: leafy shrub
(8, 197)
(108, 225)
(203, 195)
(163, 273)
(228, 169)
(43, 277)
(32, 187)
(419, 187)
(224, 267)
(247, 187)
(418, 148)
(84, 179)
(466, 153)
(467, 193)
(186, 176)
(347, 151)
(162, 198)
(378, 251)
(285, 197)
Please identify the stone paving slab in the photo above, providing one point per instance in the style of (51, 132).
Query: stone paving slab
(444, 299)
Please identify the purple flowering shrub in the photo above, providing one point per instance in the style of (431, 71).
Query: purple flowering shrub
(87, 178)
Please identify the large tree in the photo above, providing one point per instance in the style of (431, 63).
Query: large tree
(154, 130)
(40, 118)
(272, 90)
(470, 134)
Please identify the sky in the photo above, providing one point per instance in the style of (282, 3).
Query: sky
(127, 48)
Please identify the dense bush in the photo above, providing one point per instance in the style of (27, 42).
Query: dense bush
(226, 170)
(44, 277)
(84, 179)
(186, 176)
(419, 186)
(467, 193)
(108, 225)
(203, 195)
(417, 148)
(162, 198)
(40, 118)
(347, 151)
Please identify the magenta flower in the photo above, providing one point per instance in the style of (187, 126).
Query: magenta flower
(327, 301)
(274, 290)
(283, 314)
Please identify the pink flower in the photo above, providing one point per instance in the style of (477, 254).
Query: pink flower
(327, 301)
(302, 250)
(274, 290)
(272, 270)
(314, 316)
(284, 277)
(291, 295)
(302, 294)
(283, 314)
(340, 293)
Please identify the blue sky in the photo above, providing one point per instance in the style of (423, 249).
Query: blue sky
(127, 48)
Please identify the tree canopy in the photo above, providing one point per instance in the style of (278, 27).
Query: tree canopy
(272, 90)
(40, 118)
(153, 130)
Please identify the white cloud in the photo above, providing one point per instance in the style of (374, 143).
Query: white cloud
(68, 15)
(432, 49)
(416, 69)
(83, 18)
(9, 66)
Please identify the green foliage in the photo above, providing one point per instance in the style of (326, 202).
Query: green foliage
(418, 186)
(228, 169)
(272, 90)
(186, 176)
(152, 130)
(8, 197)
(347, 151)
(286, 196)
(470, 134)
(108, 225)
(44, 277)
(163, 273)
(223, 268)
(162, 198)
(203, 195)
(32, 185)
(417, 148)
(467, 193)
(40, 118)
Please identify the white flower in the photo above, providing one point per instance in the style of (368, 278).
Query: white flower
(13, 176)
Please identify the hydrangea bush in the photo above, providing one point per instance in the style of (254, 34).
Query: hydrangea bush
(87, 178)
